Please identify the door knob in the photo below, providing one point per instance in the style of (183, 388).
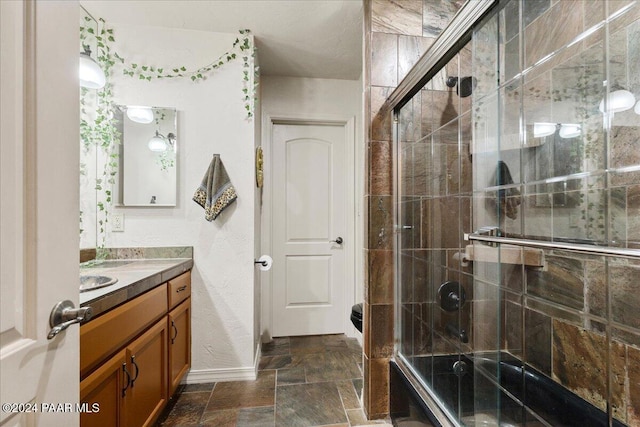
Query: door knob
(338, 240)
(64, 315)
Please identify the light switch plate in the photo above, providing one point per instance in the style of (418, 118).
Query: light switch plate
(117, 222)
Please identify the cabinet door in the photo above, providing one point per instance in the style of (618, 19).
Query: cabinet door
(147, 364)
(179, 343)
(104, 387)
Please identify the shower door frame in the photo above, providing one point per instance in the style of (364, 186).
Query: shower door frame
(450, 41)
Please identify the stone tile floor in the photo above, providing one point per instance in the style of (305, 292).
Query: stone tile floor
(302, 381)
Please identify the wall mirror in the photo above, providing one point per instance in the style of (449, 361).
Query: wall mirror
(148, 166)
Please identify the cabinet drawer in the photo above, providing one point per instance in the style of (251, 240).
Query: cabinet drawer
(179, 289)
(103, 336)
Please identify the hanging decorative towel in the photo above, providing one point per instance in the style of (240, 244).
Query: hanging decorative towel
(215, 192)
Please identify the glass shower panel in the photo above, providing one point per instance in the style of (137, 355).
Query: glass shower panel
(520, 139)
(434, 211)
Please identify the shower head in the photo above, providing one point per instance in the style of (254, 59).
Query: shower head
(464, 85)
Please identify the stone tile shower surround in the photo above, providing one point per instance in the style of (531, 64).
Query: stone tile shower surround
(575, 320)
(397, 33)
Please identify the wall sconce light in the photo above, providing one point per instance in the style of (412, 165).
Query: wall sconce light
(158, 142)
(140, 114)
(619, 100)
(541, 130)
(91, 75)
(569, 131)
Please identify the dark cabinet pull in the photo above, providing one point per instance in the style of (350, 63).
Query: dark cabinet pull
(181, 288)
(175, 329)
(133, 360)
(124, 369)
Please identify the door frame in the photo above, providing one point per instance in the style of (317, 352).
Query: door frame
(350, 291)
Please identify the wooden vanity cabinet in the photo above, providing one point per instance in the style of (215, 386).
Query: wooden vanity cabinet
(135, 379)
(146, 395)
(104, 386)
(131, 387)
(179, 343)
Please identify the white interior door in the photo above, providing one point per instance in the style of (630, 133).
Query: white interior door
(39, 210)
(309, 229)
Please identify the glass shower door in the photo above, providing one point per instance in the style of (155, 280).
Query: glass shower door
(434, 199)
(523, 142)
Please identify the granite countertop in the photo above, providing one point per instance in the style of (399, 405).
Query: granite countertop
(135, 276)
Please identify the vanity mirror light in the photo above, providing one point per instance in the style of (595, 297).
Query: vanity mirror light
(148, 162)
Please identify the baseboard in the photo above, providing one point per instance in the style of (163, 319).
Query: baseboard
(219, 375)
(258, 353)
(248, 373)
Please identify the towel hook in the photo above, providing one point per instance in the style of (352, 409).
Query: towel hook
(264, 263)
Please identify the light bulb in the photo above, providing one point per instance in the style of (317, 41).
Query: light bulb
(91, 75)
(157, 143)
(543, 129)
(140, 114)
(637, 108)
(570, 131)
(620, 100)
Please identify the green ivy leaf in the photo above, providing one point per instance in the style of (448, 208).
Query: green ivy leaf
(183, 69)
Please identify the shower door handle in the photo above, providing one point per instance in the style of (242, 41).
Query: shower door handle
(338, 240)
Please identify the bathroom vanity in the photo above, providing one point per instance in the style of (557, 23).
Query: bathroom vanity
(136, 348)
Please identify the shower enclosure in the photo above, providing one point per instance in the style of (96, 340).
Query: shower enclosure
(517, 183)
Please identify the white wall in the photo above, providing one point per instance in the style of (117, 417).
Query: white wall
(294, 97)
(211, 119)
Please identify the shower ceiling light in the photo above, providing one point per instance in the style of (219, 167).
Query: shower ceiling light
(569, 131)
(620, 100)
(157, 143)
(91, 75)
(543, 129)
(140, 114)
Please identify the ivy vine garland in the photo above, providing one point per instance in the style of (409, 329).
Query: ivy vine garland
(96, 122)
(97, 125)
(243, 44)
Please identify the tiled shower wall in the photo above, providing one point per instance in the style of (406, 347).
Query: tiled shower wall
(435, 188)
(397, 33)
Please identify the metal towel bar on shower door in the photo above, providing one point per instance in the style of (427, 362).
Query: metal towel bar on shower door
(589, 249)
